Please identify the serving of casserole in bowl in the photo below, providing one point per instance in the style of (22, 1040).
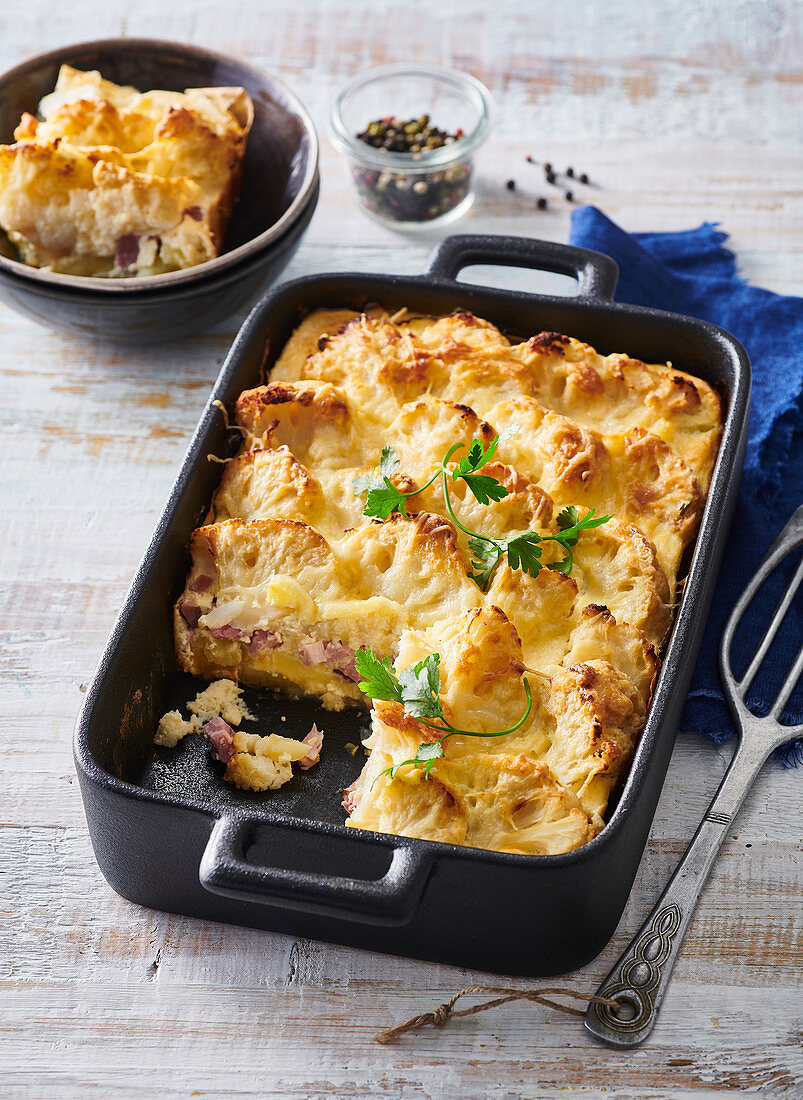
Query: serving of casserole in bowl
(444, 498)
(143, 182)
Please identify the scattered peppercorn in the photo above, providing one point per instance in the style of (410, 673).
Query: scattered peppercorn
(570, 172)
(547, 167)
(584, 178)
(569, 196)
(541, 204)
(415, 195)
(511, 185)
(550, 177)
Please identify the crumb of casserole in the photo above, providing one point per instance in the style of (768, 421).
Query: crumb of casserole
(253, 762)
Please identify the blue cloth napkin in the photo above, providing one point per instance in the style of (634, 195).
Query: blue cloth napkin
(691, 272)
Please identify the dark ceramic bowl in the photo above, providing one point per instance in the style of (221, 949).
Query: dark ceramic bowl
(277, 198)
(163, 314)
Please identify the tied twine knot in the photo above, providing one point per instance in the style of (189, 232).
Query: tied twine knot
(503, 995)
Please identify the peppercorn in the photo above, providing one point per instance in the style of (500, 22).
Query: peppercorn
(529, 159)
(541, 204)
(584, 178)
(548, 168)
(569, 196)
(550, 177)
(415, 196)
(570, 172)
(511, 185)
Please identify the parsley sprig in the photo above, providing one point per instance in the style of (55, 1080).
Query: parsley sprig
(383, 497)
(417, 689)
(522, 550)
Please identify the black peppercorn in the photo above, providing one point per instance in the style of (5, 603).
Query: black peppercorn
(541, 204)
(584, 178)
(414, 195)
(550, 177)
(570, 172)
(511, 185)
(548, 168)
(569, 196)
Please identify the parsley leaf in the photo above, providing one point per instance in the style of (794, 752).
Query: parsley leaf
(379, 678)
(485, 556)
(571, 525)
(564, 565)
(524, 552)
(388, 465)
(485, 488)
(426, 753)
(384, 501)
(476, 458)
(568, 517)
(420, 687)
(383, 497)
(429, 751)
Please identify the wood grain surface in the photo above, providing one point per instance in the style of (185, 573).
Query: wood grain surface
(680, 111)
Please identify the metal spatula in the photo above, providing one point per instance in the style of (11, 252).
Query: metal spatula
(639, 979)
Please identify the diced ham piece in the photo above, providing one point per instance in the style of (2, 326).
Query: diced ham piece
(350, 798)
(314, 653)
(315, 741)
(346, 665)
(221, 736)
(201, 583)
(190, 612)
(233, 633)
(337, 656)
(263, 641)
(126, 250)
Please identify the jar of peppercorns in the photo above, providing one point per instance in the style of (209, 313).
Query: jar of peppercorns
(409, 134)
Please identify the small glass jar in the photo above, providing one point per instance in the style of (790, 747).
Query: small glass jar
(413, 190)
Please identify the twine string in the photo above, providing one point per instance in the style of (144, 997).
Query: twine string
(443, 1013)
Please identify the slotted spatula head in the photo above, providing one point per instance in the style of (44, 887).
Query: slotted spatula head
(766, 726)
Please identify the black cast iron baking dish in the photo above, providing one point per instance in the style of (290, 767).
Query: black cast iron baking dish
(168, 833)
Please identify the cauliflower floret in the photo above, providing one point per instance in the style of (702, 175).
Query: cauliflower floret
(221, 698)
(172, 728)
(257, 773)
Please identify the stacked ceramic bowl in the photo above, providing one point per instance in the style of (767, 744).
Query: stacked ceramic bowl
(278, 196)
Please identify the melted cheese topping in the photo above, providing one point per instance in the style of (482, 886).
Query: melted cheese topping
(289, 577)
(110, 182)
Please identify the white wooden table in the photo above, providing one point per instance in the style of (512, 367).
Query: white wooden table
(681, 111)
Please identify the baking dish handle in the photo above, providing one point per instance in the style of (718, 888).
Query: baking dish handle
(596, 273)
(391, 899)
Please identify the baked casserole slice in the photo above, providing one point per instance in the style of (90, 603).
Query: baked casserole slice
(108, 181)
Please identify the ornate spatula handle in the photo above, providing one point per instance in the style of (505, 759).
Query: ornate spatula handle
(639, 979)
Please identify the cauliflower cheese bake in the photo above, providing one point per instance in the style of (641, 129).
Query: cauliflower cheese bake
(112, 182)
(480, 538)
